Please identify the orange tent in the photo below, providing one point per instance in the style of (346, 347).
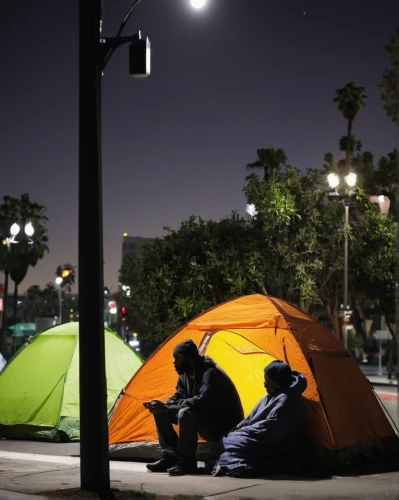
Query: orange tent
(346, 424)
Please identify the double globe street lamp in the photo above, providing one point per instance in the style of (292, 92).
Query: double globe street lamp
(334, 181)
(15, 230)
(383, 202)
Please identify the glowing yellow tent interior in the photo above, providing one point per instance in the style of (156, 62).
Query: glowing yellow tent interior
(346, 424)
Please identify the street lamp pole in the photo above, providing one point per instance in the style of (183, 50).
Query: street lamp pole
(94, 460)
(346, 274)
(94, 54)
(333, 182)
(58, 282)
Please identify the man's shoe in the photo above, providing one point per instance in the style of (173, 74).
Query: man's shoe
(163, 464)
(183, 468)
(217, 471)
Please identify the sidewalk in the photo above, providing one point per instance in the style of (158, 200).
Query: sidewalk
(33, 468)
(23, 474)
(371, 371)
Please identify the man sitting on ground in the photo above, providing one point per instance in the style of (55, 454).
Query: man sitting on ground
(271, 439)
(206, 402)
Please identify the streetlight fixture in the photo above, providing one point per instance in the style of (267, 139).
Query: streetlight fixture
(94, 53)
(334, 181)
(29, 229)
(135, 343)
(383, 202)
(251, 210)
(127, 290)
(15, 229)
(198, 4)
(58, 282)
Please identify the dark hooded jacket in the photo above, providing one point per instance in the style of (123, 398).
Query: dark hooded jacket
(271, 438)
(211, 393)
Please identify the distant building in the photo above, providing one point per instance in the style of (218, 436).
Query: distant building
(132, 244)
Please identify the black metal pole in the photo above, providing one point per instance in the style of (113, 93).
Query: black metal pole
(397, 265)
(4, 318)
(346, 255)
(94, 460)
(15, 305)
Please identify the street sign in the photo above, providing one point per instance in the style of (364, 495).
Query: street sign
(382, 335)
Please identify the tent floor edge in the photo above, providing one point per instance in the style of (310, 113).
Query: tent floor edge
(360, 459)
(33, 433)
(150, 450)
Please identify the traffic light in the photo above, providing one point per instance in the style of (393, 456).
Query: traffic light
(123, 311)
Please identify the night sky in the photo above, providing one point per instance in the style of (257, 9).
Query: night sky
(234, 77)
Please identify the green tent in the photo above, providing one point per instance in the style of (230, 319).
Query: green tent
(39, 386)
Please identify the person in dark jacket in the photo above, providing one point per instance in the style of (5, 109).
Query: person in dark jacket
(206, 402)
(272, 438)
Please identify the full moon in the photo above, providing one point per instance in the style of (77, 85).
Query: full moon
(198, 4)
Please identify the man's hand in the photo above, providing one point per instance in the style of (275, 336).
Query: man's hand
(156, 406)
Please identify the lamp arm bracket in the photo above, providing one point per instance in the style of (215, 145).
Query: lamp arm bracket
(109, 45)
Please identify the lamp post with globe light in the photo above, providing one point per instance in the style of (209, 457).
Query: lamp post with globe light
(95, 52)
(15, 230)
(58, 282)
(334, 181)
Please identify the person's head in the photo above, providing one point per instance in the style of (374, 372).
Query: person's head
(185, 356)
(278, 375)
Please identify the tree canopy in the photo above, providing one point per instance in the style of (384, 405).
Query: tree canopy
(390, 80)
(291, 245)
(292, 248)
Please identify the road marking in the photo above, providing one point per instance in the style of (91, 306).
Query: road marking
(35, 457)
(387, 396)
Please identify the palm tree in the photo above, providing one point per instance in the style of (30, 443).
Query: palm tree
(350, 99)
(270, 160)
(15, 259)
(50, 299)
(35, 302)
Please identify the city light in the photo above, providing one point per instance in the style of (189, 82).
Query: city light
(112, 307)
(251, 210)
(333, 180)
(351, 179)
(14, 230)
(198, 4)
(29, 230)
